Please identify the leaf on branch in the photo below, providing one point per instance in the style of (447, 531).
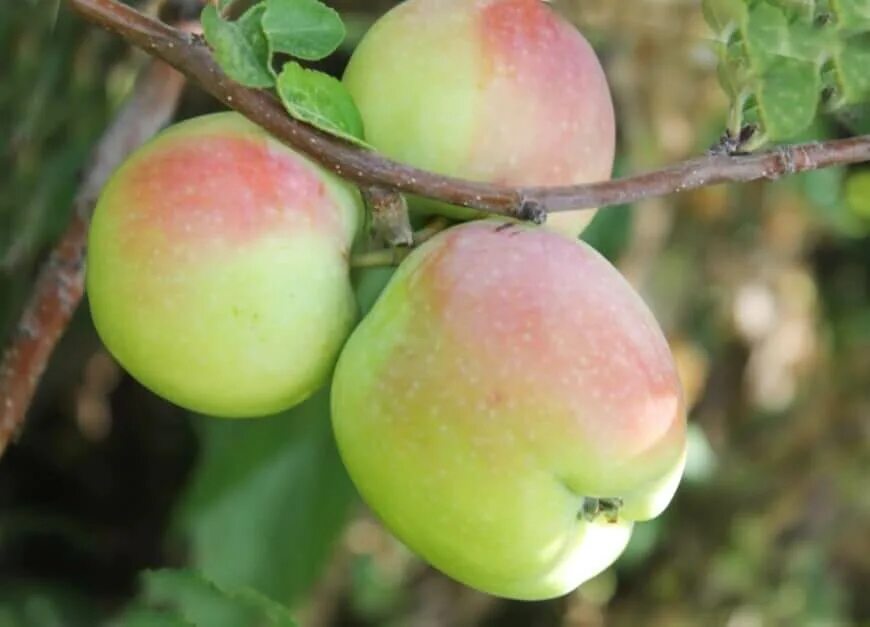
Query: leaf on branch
(788, 98)
(320, 100)
(853, 63)
(240, 47)
(363, 167)
(723, 16)
(305, 29)
(853, 16)
(780, 59)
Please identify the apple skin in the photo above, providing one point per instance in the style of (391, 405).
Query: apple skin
(506, 375)
(218, 268)
(500, 91)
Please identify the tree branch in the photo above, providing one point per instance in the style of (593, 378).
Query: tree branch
(60, 284)
(192, 57)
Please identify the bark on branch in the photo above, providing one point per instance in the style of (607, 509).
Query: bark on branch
(192, 57)
(60, 284)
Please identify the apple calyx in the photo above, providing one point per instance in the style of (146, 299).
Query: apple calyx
(594, 509)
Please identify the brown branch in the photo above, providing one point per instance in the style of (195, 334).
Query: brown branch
(391, 223)
(366, 168)
(192, 57)
(60, 284)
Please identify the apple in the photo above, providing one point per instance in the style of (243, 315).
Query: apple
(510, 408)
(500, 91)
(218, 268)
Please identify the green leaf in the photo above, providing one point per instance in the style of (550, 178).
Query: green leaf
(857, 194)
(777, 58)
(724, 16)
(320, 100)
(143, 617)
(856, 118)
(306, 29)
(42, 604)
(183, 598)
(853, 16)
(788, 97)
(240, 47)
(267, 501)
(765, 35)
(769, 35)
(853, 70)
(610, 231)
(796, 9)
(368, 284)
(828, 194)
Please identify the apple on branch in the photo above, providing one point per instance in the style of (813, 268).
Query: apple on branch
(510, 408)
(500, 91)
(218, 268)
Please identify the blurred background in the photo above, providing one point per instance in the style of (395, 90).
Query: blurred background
(763, 290)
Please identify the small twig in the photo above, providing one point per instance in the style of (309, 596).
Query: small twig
(391, 223)
(394, 255)
(60, 284)
(367, 168)
(430, 230)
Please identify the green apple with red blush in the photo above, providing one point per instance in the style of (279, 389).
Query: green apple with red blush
(218, 270)
(500, 91)
(510, 408)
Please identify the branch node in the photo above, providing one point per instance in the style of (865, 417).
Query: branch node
(390, 220)
(731, 145)
(531, 210)
(788, 165)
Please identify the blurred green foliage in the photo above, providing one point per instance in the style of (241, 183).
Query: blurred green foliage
(57, 90)
(266, 501)
(116, 507)
(184, 597)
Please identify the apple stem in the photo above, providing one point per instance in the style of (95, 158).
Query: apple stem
(394, 255)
